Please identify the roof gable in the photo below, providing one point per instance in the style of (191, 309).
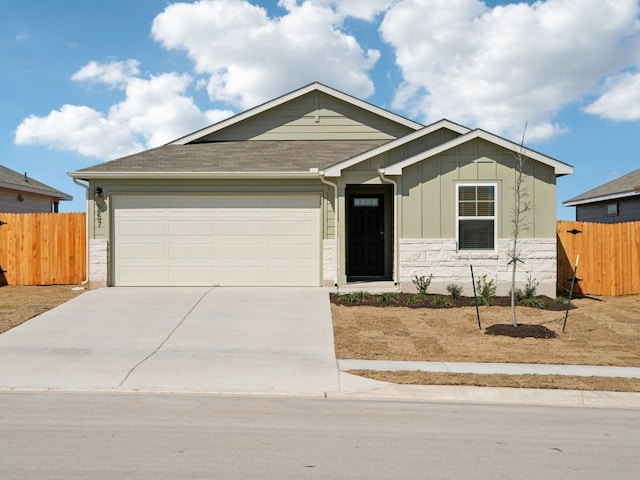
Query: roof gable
(560, 168)
(625, 186)
(12, 180)
(336, 170)
(309, 93)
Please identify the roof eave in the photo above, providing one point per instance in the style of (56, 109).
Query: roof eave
(36, 191)
(80, 175)
(601, 198)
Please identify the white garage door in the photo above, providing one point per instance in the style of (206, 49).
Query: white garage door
(216, 240)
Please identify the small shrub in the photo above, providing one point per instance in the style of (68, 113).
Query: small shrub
(454, 290)
(422, 283)
(415, 299)
(486, 291)
(535, 302)
(388, 297)
(531, 288)
(562, 299)
(442, 301)
(354, 297)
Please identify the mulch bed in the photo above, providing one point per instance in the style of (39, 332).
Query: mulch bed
(521, 331)
(428, 301)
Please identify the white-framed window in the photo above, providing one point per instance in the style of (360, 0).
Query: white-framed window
(612, 209)
(476, 218)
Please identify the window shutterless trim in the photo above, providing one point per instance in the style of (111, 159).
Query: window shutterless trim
(493, 217)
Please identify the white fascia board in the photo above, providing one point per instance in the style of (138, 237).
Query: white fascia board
(189, 175)
(336, 170)
(35, 191)
(560, 168)
(288, 97)
(602, 198)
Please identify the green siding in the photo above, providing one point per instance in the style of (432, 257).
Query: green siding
(429, 191)
(314, 116)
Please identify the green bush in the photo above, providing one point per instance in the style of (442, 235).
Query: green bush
(422, 283)
(442, 301)
(486, 291)
(454, 290)
(388, 297)
(354, 297)
(415, 299)
(535, 302)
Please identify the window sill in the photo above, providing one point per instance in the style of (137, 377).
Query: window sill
(477, 255)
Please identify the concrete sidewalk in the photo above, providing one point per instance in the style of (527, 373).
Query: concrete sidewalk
(491, 368)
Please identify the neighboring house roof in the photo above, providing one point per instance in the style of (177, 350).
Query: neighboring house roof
(626, 186)
(231, 159)
(193, 137)
(13, 180)
(559, 167)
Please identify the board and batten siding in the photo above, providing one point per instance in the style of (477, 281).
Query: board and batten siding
(428, 191)
(314, 116)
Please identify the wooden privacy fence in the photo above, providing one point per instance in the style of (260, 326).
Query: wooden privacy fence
(609, 257)
(42, 248)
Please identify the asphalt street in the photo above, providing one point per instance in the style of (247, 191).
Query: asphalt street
(57, 435)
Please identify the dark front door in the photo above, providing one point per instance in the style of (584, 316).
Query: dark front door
(365, 236)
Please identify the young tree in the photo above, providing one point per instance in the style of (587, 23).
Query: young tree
(520, 207)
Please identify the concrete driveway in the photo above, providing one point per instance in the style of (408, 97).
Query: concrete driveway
(267, 340)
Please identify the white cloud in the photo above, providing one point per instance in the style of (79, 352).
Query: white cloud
(500, 67)
(78, 129)
(154, 111)
(114, 73)
(365, 10)
(621, 100)
(251, 57)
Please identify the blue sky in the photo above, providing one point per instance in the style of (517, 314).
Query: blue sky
(84, 82)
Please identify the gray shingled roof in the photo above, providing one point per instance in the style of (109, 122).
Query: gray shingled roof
(244, 156)
(21, 182)
(626, 185)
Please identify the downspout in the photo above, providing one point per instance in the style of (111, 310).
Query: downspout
(396, 240)
(86, 187)
(336, 222)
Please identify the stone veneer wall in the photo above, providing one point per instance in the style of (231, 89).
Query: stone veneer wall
(98, 261)
(440, 258)
(329, 262)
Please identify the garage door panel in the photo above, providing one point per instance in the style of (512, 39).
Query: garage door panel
(288, 275)
(191, 276)
(298, 229)
(239, 251)
(193, 252)
(240, 275)
(142, 228)
(142, 275)
(289, 252)
(217, 240)
(241, 229)
(142, 251)
(181, 228)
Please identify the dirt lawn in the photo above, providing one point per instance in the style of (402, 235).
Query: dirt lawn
(19, 304)
(600, 331)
